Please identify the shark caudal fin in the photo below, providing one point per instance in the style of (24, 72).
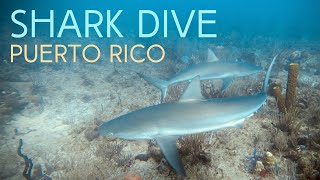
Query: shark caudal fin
(267, 78)
(161, 84)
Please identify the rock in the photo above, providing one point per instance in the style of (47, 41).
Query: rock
(248, 56)
(270, 159)
(91, 134)
(142, 157)
(295, 55)
(8, 173)
(259, 167)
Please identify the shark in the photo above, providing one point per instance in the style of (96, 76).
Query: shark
(192, 114)
(211, 69)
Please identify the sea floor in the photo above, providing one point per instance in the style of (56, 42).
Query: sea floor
(60, 107)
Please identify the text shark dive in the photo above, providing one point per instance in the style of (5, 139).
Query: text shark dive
(192, 114)
(212, 69)
(109, 21)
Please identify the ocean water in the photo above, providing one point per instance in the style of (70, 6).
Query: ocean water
(53, 103)
(291, 19)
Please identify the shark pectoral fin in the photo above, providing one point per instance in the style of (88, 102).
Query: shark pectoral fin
(193, 91)
(169, 149)
(226, 83)
(211, 56)
(161, 84)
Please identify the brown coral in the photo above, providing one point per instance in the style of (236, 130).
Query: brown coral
(194, 147)
(280, 99)
(292, 84)
(286, 103)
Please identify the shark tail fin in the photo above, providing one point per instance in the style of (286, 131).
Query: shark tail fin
(267, 78)
(161, 84)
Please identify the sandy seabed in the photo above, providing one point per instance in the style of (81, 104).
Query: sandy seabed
(66, 104)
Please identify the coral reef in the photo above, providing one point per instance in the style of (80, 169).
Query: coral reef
(290, 142)
(295, 134)
(259, 167)
(315, 118)
(175, 91)
(292, 85)
(39, 83)
(290, 100)
(269, 159)
(31, 171)
(11, 72)
(10, 102)
(251, 161)
(268, 165)
(63, 138)
(110, 150)
(281, 141)
(281, 102)
(194, 147)
(289, 122)
(248, 56)
(27, 172)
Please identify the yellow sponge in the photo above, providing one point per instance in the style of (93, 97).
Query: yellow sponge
(292, 84)
(277, 91)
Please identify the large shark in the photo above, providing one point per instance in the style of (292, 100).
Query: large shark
(212, 69)
(191, 114)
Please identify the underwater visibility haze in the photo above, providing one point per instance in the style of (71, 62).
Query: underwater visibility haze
(160, 89)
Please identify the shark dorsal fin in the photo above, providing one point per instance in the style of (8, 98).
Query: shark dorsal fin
(193, 91)
(211, 56)
(169, 150)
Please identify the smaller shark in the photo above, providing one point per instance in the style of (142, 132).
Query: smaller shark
(212, 69)
(192, 114)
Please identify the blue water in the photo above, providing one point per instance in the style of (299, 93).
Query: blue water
(288, 19)
(252, 31)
